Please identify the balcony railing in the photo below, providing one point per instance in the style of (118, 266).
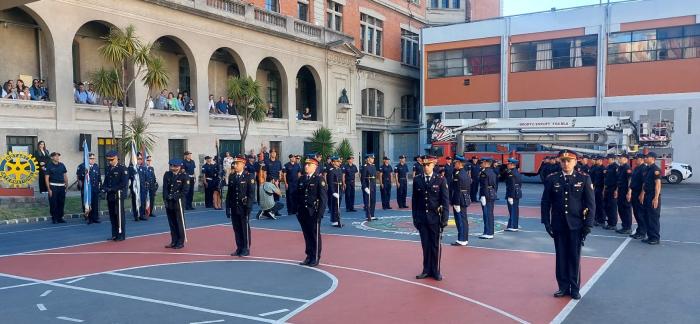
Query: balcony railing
(270, 18)
(244, 14)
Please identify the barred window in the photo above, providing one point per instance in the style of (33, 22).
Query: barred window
(554, 54)
(465, 61)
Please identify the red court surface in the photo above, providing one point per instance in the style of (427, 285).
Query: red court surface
(376, 277)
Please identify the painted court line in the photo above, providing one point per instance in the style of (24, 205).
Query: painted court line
(21, 285)
(40, 229)
(570, 306)
(207, 322)
(70, 319)
(245, 292)
(75, 280)
(41, 307)
(274, 312)
(143, 299)
(46, 293)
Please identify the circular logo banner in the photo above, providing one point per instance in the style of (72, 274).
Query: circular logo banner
(18, 169)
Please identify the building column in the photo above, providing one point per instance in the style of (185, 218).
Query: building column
(63, 79)
(505, 68)
(291, 101)
(200, 90)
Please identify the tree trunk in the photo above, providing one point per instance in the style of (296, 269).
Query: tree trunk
(111, 121)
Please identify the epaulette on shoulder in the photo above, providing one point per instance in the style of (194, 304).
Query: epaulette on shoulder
(553, 173)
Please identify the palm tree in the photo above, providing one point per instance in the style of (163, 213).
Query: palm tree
(322, 142)
(156, 77)
(344, 149)
(250, 107)
(123, 49)
(137, 133)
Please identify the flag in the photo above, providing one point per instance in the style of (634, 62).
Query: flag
(148, 193)
(136, 184)
(87, 190)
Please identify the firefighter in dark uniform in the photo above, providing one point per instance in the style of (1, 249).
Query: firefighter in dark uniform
(239, 199)
(514, 183)
(651, 199)
(583, 166)
(567, 210)
(417, 166)
(386, 176)
(430, 203)
(210, 171)
(152, 183)
(598, 178)
(401, 174)
(189, 165)
(624, 208)
(175, 186)
(636, 184)
(610, 193)
(312, 198)
(95, 179)
(448, 171)
(368, 178)
(138, 212)
(349, 171)
(115, 184)
(56, 180)
(488, 182)
(545, 169)
(475, 171)
(334, 178)
(460, 199)
(290, 175)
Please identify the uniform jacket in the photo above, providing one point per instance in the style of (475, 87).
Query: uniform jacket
(514, 182)
(611, 176)
(335, 179)
(116, 180)
(598, 177)
(241, 192)
(175, 187)
(368, 176)
(94, 176)
(488, 184)
(312, 196)
(638, 175)
(459, 188)
(568, 203)
(430, 200)
(624, 175)
(291, 172)
(350, 171)
(401, 171)
(386, 171)
(653, 173)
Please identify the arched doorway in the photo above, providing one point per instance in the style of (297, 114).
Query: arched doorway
(87, 59)
(308, 94)
(26, 49)
(273, 85)
(178, 62)
(223, 64)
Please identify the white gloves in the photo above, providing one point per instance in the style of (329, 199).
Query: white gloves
(510, 201)
(457, 208)
(367, 190)
(336, 195)
(483, 200)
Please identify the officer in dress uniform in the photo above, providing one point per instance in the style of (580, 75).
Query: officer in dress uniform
(368, 177)
(598, 178)
(290, 176)
(94, 170)
(460, 199)
(624, 208)
(115, 184)
(56, 180)
(401, 174)
(209, 171)
(140, 212)
(610, 193)
(175, 186)
(189, 165)
(475, 171)
(239, 199)
(312, 198)
(514, 182)
(386, 175)
(651, 200)
(152, 183)
(349, 171)
(636, 184)
(430, 202)
(334, 176)
(488, 182)
(567, 207)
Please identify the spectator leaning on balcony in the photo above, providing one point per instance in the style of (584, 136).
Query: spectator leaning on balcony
(19, 87)
(190, 106)
(231, 107)
(307, 114)
(221, 106)
(173, 104)
(24, 94)
(161, 102)
(36, 91)
(185, 98)
(212, 105)
(181, 100)
(81, 96)
(93, 98)
(7, 91)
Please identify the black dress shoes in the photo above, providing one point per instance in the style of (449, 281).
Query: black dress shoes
(653, 242)
(575, 295)
(560, 293)
(305, 262)
(170, 246)
(313, 263)
(244, 253)
(237, 253)
(113, 238)
(438, 277)
(177, 247)
(60, 221)
(422, 276)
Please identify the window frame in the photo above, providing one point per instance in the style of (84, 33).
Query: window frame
(656, 44)
(303, 15)
(488, 58)
(372, 102)
(371, 35)
(587, 49)
(409, 47)
(334, 15)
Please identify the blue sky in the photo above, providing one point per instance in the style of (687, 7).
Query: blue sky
(514, 7)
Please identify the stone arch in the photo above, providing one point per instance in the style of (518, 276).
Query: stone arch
(180, 64)
(309, 92)
(272, 77)
(223, 63)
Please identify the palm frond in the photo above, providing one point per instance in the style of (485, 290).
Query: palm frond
(106, 83)
(137, 132)
(156, 76)
(322, 141)
(344, 149)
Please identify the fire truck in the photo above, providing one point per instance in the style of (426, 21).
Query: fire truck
(611, 134)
